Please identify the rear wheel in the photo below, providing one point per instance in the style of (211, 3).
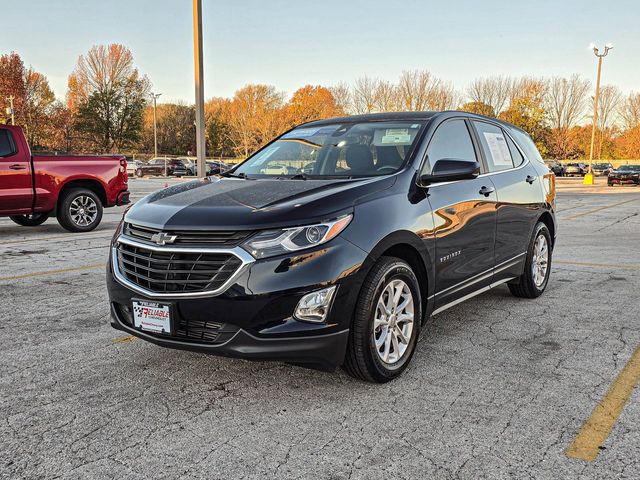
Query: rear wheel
(80, 210)
(386, 324)
(139, 173)
(535, 277)
(30, 220)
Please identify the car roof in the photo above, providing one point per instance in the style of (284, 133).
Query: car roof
(399, 116)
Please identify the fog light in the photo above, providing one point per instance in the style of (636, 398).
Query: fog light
(314, 307)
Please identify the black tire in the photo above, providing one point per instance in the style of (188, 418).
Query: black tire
(30, 220)
(526, 286)
(70, 218)
(139, 173)
(362, 359)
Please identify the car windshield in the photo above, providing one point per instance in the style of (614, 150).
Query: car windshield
(335, 150)
(629, 168)
(600, 165)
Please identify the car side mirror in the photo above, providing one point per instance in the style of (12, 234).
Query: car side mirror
(449, 169)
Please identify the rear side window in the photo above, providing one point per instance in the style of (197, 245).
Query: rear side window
(451, 141)
(527, 145)
(7, 147)
(495, 147)
(517, 157)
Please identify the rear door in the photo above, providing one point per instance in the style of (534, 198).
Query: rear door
(16, 189)
(519, 197)
(464, 216)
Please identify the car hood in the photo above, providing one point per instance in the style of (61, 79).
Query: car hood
(231, 203)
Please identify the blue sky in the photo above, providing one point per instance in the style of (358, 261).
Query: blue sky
(292, 43)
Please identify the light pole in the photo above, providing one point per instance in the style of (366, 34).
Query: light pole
(588, 179)
(199, 84)
(155, 96)
(10, 110)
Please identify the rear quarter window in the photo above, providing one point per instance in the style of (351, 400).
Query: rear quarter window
(526, 144)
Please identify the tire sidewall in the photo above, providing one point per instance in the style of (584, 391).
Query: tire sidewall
(396, 270)
(65, 213)
(139, 173)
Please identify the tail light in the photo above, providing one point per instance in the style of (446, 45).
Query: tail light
(123, 167)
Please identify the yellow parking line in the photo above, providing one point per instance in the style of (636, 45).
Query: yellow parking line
(602, 265)
(598, 426)
(128, 338)
(598, 209)
(53, 272)
(45, 239)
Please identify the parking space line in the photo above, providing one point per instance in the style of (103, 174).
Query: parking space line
(52, 272)
(62, 238)
(598, 426)
(577, 215)
(601, 265)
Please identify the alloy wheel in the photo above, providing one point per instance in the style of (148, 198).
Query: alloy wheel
(393, 321)
(83, 210)
(540, 261)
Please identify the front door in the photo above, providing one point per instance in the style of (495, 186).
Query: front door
(464, 214)
(16, 190)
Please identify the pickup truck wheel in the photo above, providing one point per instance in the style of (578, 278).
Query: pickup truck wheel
(31, 220)
(537, 266)
(386, 324)
(139, 173)
(80, 210)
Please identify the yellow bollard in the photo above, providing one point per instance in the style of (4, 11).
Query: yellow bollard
(588, 179)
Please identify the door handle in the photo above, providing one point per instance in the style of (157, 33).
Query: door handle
(530, 179)
(17, 166)
(486, 191)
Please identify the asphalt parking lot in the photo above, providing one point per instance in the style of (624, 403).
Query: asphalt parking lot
(499, 387)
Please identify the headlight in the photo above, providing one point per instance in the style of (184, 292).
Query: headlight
(276, 242)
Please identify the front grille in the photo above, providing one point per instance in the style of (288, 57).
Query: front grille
(198, 330)
(219, 238)
(175, 272)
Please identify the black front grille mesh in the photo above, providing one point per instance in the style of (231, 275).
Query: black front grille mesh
(220, 238)
(175, 272)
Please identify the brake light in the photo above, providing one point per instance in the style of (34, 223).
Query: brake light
(123, 167)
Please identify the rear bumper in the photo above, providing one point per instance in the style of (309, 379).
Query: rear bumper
(123, 198)
(324, 352)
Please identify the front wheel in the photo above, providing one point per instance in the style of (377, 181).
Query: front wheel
(386, 323)
(80, 210)
(30, 220)
(537, 269)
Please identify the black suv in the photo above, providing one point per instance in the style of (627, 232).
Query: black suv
(379, 222)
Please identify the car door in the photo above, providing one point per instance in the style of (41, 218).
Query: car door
(464, 219)
(518, 189)
(16, 189)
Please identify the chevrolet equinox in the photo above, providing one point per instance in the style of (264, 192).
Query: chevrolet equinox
(334, 243)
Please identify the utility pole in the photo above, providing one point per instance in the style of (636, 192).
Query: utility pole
(199, 84)
(13, 117)
(588, 178)
(155, 96)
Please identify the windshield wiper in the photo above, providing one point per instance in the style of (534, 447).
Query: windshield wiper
(235, 175)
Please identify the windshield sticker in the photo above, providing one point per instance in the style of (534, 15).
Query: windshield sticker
(396, 135)
(498, 148)
(301, 133)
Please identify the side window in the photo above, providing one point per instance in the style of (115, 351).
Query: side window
(518, 159)
(527, 145)
(495, 146)
(7, 147)
(452, 141)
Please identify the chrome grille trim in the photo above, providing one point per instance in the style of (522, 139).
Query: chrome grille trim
(238, 252)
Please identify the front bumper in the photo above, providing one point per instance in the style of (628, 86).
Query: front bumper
(623, 180)
(254, 315)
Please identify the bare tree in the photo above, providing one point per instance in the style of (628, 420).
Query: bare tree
(414, 89)
(363, 94)
(629, 111)
(443, 96)
(608, 102)
(566, 101)
(386, 97)
(342, 95)
(494, 91)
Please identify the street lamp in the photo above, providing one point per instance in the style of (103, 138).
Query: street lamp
(199, 84)
(154, 97)
(10, 110)
(588, 178)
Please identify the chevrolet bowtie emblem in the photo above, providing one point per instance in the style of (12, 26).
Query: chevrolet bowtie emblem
(163, 238)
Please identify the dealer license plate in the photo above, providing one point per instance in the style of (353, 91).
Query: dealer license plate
(152, 316)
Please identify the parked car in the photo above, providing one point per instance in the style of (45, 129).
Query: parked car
(575, 169)
(156, 166)
(132, 166)
(556, 167)
(601, 169)
(216, 167)
(344, 264)
(279, 169)
(624, 175)
(189, 167)
(75, 189)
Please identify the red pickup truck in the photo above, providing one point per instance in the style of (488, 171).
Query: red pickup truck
(73, 188)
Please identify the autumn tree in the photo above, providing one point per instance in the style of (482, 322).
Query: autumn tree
(629, 111)
(342, 96)
(479, 108)
(12, 84)
(37, 109)
(495, 91)
(218, 131)
(108, 96)
(175, 129)
(363, 95)
(311, 103)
